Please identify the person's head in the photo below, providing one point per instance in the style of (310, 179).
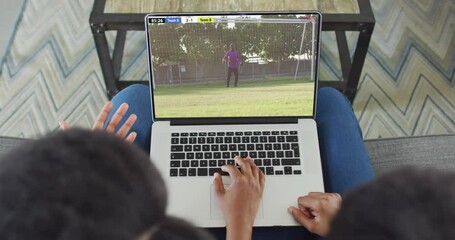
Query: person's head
(406, 204)
(81, 184)
(232, 46)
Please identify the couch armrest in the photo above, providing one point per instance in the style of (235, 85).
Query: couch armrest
(435, 151)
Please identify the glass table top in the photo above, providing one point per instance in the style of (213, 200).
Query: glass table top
(146, 6)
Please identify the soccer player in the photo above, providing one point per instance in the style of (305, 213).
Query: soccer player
(233, 58)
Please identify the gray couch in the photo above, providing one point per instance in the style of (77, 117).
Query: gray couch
(385, 154)
(435, 151)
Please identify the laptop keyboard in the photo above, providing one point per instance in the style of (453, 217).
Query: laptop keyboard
(203, 153)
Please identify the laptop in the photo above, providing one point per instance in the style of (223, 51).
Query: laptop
(234, 83)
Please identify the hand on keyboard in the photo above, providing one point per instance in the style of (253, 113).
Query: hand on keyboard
(240, 201)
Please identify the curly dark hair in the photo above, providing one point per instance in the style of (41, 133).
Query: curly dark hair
(79, 184)
(410, 203)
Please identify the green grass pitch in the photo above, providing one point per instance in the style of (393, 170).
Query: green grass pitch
(281, 96)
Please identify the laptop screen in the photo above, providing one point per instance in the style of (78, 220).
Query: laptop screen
(231, 65)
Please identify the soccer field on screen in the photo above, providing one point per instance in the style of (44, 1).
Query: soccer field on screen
(252, 98)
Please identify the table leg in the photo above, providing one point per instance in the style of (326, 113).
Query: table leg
(102, 48)
(358, 60)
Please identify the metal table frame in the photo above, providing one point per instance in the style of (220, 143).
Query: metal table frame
(351, 68)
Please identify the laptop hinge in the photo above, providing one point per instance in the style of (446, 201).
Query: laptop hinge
(233, 121)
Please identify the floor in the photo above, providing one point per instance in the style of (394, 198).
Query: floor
(51, 70)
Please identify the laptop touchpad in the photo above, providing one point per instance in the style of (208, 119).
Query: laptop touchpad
(215, 211)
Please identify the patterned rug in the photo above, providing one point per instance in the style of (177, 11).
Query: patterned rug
(51, 71)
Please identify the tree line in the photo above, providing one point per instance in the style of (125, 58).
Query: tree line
(208, 42)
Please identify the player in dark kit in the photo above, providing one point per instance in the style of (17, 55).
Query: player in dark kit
(233, 58)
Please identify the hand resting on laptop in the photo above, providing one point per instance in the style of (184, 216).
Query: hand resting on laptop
(316, 211)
